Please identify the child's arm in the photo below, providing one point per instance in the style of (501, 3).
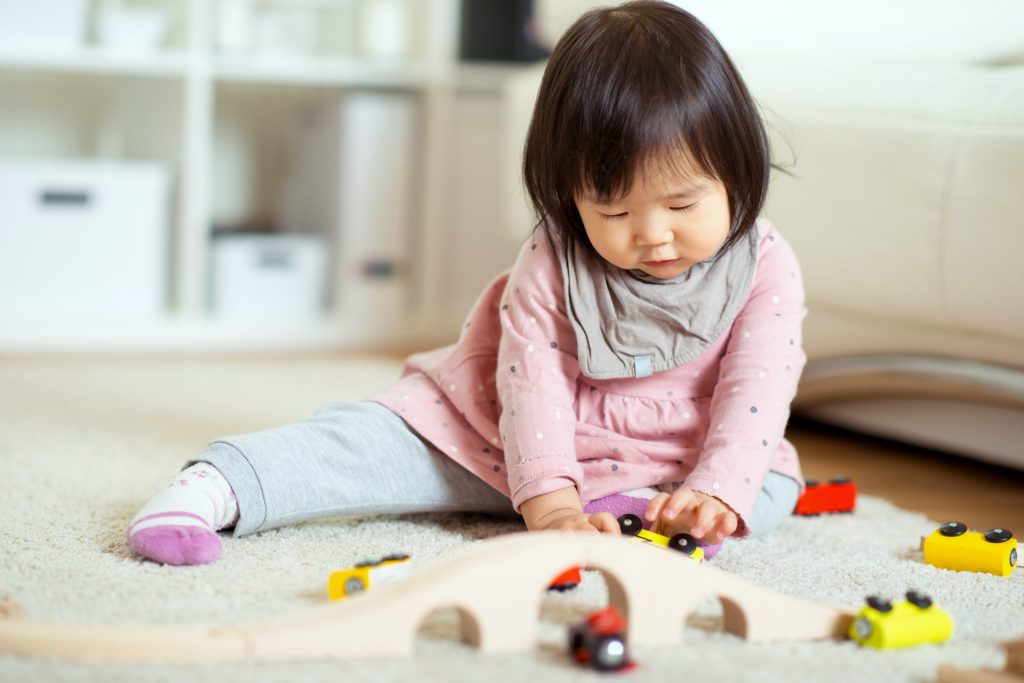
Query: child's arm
(757, 380)
(562, 510)
(536, 379)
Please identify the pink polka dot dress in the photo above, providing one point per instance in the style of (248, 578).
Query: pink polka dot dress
(508, 400)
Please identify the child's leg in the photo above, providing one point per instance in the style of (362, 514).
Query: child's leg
(632, 502)
(348, 459)
(774, 504)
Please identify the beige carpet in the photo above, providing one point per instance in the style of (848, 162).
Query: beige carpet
(83, 444)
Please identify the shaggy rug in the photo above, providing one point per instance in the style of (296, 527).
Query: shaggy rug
(84, 443)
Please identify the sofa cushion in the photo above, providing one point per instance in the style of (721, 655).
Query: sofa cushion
(904, 203)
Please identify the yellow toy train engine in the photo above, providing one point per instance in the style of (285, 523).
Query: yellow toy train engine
(914, 621)
(952, 546)
(365, 575)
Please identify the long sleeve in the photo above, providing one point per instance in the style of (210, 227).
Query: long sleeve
(537, 370)
(757, 381)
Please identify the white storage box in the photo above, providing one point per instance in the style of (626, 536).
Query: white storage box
(42, 26)
(268, 277)
(82, 239)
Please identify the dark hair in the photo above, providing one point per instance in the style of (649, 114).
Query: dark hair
(631, 85)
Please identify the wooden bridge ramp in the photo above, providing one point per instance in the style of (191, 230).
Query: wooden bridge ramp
(496, 584)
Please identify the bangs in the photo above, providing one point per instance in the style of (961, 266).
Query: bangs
(607, 173)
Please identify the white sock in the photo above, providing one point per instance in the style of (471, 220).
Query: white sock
(177, 525)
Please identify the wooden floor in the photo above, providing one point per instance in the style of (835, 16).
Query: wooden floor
(942, 486)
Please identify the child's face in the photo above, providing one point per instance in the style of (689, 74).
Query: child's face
(664, 225)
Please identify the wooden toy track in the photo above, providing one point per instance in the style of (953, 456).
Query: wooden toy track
(496, 585)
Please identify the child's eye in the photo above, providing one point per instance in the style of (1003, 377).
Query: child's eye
(614, 216)
(683, 208)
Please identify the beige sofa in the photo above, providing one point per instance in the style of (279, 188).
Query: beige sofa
(902, 125)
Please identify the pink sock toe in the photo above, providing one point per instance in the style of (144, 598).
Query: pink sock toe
(177, 545)
(710, 550)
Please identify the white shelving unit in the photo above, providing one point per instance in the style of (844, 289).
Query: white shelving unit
(197, 79)
(94, 61)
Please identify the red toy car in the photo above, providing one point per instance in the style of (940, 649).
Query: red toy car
(838, 495)
(567, 580)
(600, 641)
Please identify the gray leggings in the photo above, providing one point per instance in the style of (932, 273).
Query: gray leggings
(361, 458)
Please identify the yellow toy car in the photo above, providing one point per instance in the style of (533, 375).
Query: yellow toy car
(346, 582)
(632, 525)
(914, 621)
(952, 546)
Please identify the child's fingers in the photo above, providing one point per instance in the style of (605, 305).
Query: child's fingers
(605, 522)
(655, 507)
(724, 524)
(729, 524)
(581, 524)
(703, 520)
(575, 522)
(715, 532)
(681, 501)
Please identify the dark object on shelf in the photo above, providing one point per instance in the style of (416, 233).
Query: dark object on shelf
(499, 31)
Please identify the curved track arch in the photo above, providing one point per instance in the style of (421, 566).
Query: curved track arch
(497, 585)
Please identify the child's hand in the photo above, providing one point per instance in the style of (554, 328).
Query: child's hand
(561, 510)
(581, 521)
(702, 516)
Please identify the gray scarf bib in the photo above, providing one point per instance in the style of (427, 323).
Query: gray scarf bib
(629, 324)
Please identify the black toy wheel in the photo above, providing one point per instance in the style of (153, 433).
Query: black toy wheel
(810, 482)
(879, 604)
(630, 525)
(684, 543)
(839, 480)
(395, 557)
(562, 587)
(953, 529)
(609, 653)
(575, 639)
(998, 535)
(919, 600)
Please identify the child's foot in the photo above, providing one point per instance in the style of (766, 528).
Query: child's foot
(179, 524)
(633, 502)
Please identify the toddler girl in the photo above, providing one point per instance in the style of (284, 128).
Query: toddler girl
(640, 356)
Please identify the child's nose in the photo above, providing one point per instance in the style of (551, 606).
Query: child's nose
(653, 233)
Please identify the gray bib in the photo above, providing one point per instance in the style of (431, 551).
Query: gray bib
(629, 324)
